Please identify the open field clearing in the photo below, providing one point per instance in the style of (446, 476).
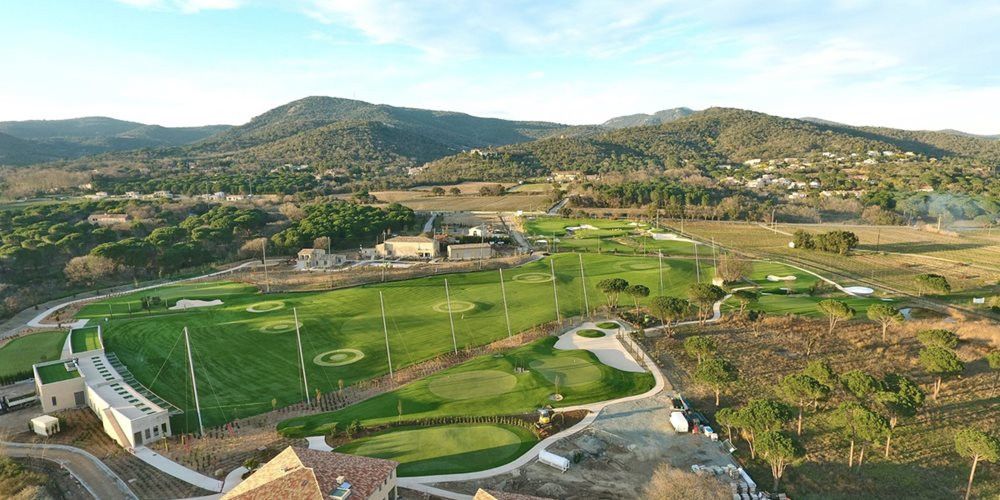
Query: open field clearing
(425, 201)
(517, 382)
(471, 187)
(17, 356)
(538, 187)
(245, 353)
(602, 235)
(922, 460)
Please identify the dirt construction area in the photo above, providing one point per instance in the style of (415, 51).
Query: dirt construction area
(616, 456)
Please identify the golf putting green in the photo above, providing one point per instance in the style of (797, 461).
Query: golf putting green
(609, 325)
(445, 449)
(533, 278)
(338, 357)
(590, 334)
(267, 306)
(468, 385)
(639, 266)
(569, 371)
(457, 306)
(280, 327)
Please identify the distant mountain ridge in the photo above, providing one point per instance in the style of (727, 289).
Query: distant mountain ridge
(643, 119)
(49, 140)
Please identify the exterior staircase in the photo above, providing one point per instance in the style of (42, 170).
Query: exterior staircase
(122, 438)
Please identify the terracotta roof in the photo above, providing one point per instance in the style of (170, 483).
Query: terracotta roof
(502, 495)
(409, 239)
(302, 473)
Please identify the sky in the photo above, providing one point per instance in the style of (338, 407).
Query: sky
(913, 64)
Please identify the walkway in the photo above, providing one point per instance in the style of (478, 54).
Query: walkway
(429, 225)
(177, 470)
(95, 477)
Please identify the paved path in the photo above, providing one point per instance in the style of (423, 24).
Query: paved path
(558, 206)
(429, 225)
(177, 470)
(95, 477)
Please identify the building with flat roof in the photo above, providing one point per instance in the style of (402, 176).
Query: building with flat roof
(300, 473)
(85, 376)
(470, 251)
(103, 219)
(409, 247)
(318, 258)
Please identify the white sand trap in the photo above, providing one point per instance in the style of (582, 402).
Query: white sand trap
(771, 277)
(670, 237)
(581, 226)
(607, 348)
(859, 290)
(193, 303)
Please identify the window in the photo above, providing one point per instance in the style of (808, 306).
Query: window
(147, 433)
(53, 400)
(164, 427)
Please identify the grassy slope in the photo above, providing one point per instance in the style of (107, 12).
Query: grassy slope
(19, 354)
(446, 449)
(85, 340)
(531, 391)
(610, 236)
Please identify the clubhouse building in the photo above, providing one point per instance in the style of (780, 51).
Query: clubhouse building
(409, 247)
(86, 376)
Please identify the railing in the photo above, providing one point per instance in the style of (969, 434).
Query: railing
(141, 389)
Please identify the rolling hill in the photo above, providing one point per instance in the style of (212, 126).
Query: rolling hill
(643, 119)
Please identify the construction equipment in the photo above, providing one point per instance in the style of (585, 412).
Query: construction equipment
(544, 417)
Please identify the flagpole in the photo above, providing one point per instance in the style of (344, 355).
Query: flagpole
(555, 293)
(302, 361)
(194, 384)
(503, 292)
(451, 320)
(385, 330)
(583, 283)
(660, 258)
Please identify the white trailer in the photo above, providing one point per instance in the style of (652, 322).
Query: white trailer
(680, 421)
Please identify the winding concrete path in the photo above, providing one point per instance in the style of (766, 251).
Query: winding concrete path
(95, 477)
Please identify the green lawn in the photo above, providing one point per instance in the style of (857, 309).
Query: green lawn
(610, 236)
(445, 449)
(19, 354)
(56, 373)
(582, 379)
(84, 340)
(774, 300)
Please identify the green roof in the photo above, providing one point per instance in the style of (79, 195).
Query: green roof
(56, 372)
(85, 340)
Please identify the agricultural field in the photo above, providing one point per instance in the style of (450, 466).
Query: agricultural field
(17, 356)
(425, 201)
(602, 235)
(245, 352)
(918, 252)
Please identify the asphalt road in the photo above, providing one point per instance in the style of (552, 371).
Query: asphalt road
(96, 477)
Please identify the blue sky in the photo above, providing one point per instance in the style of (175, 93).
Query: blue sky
(920, 65)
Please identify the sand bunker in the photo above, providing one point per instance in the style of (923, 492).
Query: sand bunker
(859, 290)
(771, 277)
(192, 303)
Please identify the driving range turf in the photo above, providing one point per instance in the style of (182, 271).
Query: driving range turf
(445, 449)
(19, 354)
(486, 386)
(619, 236)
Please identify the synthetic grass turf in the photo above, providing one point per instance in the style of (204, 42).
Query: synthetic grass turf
(584, 379)
(84, 340)
(610, 236)
(608, 325)
(56, 373)
(19, 354)
(592, 334)
(445, 449)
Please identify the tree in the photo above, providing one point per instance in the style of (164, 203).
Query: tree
(732, 268)
(779, 451)
(977, 445)
(993, 360)
(704, 296)
(700, 346)
(671, 483)
(932, 282)
(860, 384)
(859, 424)
(669, 309)
(938, 338)
(802, 239)
(746, 298)
(900, 398)
(455, 191)
(637, 292)
(89, 269)
(437, 191)
(940, 361)
(835, 312)
(251, 463)
(885, 315)
(762, 415)
(729, 418)
(841, 242)
(800, 389)
(716, 373)
(822, 372)
(612, 288)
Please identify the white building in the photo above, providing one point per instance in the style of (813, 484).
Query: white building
(86, 377)
(470, 251)
(317, 258)
(420, 247)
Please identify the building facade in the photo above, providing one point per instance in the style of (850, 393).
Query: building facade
(409, 247)
(317, 258)
(470, 251)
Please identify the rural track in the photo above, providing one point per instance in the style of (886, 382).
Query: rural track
(99, 480)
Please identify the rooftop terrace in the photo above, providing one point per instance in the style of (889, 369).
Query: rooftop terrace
(57, 372)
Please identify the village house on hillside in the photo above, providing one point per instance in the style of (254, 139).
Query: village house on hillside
(105, 219)
(318, 258)
(409, 247)
(299, 473)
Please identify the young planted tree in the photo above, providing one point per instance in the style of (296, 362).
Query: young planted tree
(733, 268)
(669, 309)
(801, 389)
(716, 373)
(835, 312)
(779, 450)
(700, 347)
(940, 361)
(938, 338)
(704, 296)
(637, 292)
(885, 315)
(612, 288)
(746, 298)
(760, 416)
(977, 445)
